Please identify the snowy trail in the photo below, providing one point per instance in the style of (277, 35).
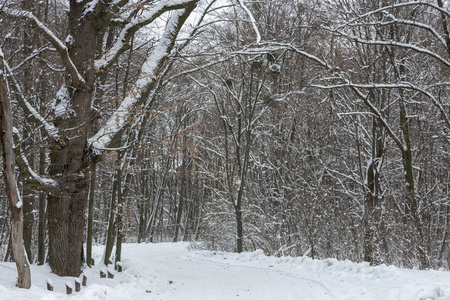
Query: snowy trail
(171, 271)
(201, 279)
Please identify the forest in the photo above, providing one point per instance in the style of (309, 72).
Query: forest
(302, 128)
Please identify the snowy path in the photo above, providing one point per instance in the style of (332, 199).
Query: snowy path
(200, 279)
(171, 272)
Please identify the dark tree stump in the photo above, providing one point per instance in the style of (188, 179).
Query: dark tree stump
(84, 280)
(110, 275)
(119, 266)
(92, 262)
(102, 274)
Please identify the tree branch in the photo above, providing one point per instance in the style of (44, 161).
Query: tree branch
(77, 79)
(51, 131)
(123, 41)
(139, 93)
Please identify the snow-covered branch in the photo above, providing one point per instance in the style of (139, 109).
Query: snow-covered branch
(41, 183)
(141, 20)
(400, 85)
(402, 45)
(49, 129)
(267, 47)
(427, 27)
(77, 79)
(139, 93)
(35, 53)
(395, 20)
(370, 105)
(252, 20)
(393, 6)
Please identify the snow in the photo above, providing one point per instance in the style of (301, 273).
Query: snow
(179, 271)
(275, 68)
(42, 180)
(89, 8)
(61, 103)
(19, 204)
(69, 40)
(252, 20)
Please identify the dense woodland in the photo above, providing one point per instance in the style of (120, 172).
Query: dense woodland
(317, 128)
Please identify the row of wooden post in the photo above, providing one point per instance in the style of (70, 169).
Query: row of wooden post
(68, 286)
(103, 274)
(84, 281)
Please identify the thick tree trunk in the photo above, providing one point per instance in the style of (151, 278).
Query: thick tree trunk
(66, 219)
(69, 165)
(69, 161)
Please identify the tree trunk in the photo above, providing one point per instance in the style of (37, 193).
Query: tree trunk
(373, 194)
(69, 160)
(91, 214)
(30, 40)
(9, 255)
(182, 191)
(66, 219)
(42, 212)
(119, 221)
(111, 224)
(142, 219)
(414, 222)
(28, 220)
(239, 229)
(20, 257)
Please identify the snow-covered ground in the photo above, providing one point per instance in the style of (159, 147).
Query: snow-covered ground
(172, 271)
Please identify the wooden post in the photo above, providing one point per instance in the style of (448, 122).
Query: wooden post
(84, 280)
(119, 266)
(102, 274)
(49, 285)
(77, 285)
(110, 275)
(68, 288)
